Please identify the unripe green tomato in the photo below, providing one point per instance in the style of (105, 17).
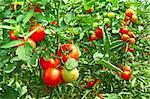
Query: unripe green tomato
(95, 24)
(107, 20)
(70, 75)
(111, 15)
(105, 15)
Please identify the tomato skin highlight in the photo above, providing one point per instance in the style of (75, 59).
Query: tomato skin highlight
(12, 35)
(126, 75)
(52, 77)
(68, 51)
(90, 84)
(38, 35)
(127, 68)
(99, 33)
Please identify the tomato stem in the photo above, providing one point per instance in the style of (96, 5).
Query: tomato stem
(56, 35)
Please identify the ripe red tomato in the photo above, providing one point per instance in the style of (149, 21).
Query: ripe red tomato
(127, 68)
(12, 35)
(134, 18)
(13, 7)
(45, 64)
(38, 35)
(129, 12)
(99, 33)
(57, 62)
(124, 30)
(131, 49)
(61, 69)
(36, 8)
(90, 10)
(52, 77)
(93, 37)
(55, 23)
(90, 84)
(125, 37)
(126, 75)
(68, 51)
(132, 40)
(127, 19)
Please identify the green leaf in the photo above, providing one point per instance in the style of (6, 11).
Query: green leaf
(7, 27)
(65, 1)
(106, 41)
(1, 64)
(30, 33)
(116, 44)
(12, 44)
(114, 2)
(16, 58)
(109, 65)
(9, 92)
(97, 56)
(24, 52)
(19, 18)
(10, 21)
(34, 60)
(9, 68)
(71, 64)
(88, 5)
(28, 15)
(23, 90)
(133, 82)
(68, 17)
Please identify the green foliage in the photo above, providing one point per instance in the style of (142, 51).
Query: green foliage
(20, 71)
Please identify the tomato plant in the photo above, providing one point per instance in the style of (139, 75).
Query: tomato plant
(74, 49)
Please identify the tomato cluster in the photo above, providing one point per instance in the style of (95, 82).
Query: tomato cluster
(126, 75)
(36, 36)
(97, 35)
(54, 72)
(126, 35)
